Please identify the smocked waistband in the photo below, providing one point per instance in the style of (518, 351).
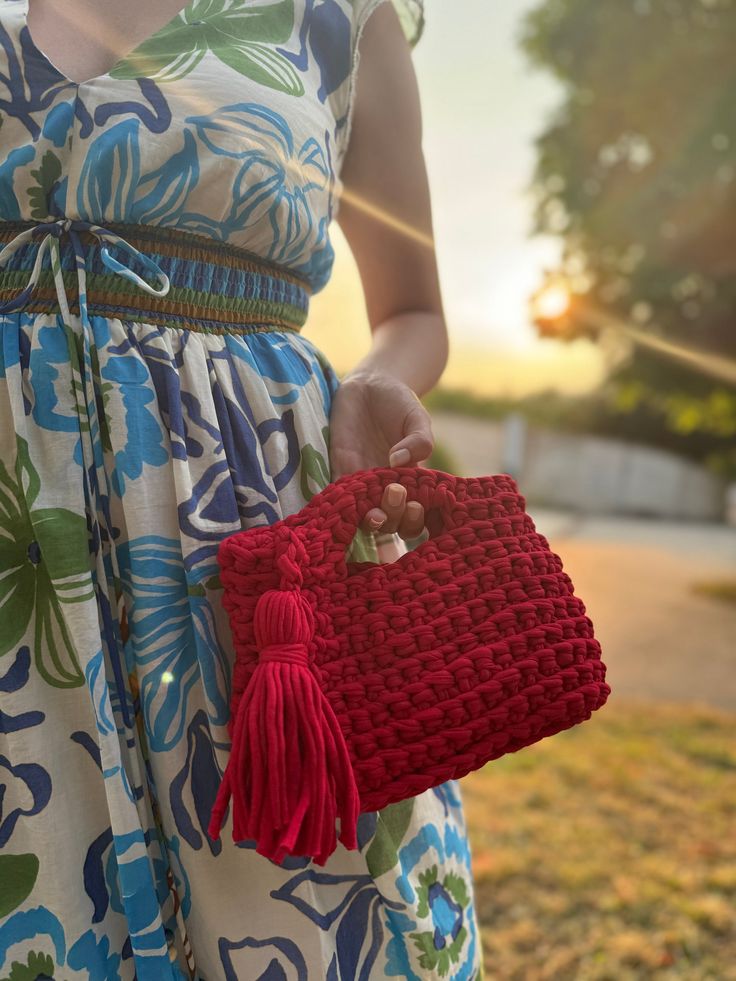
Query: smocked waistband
(201, 284)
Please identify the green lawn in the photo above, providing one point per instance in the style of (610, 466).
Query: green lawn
(608, 852)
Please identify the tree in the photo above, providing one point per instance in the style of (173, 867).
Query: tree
(637, 173)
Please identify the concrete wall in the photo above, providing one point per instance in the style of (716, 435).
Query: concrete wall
(590, 473)
(478, 446)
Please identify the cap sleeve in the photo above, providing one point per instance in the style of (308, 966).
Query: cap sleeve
(411, 17)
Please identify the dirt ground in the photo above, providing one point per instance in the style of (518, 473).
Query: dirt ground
(659, 638)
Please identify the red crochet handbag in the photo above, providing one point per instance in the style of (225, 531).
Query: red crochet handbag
(359, 684)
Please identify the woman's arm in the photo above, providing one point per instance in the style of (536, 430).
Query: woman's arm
(385, 211)
(385, 215)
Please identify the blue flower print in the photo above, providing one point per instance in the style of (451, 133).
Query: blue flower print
(279, 185)
(172, 640)
(112, 186)
(443, 901)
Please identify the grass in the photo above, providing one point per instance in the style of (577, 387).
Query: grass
(608, 852)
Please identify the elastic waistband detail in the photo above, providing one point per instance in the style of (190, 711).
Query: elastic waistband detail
(215, 287)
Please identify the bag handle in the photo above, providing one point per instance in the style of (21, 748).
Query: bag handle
(345, 502)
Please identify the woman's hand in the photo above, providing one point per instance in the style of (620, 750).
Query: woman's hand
(377, 420)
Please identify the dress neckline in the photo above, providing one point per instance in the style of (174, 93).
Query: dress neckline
(184, 15)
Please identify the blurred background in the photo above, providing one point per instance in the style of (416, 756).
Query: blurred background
(582, 161)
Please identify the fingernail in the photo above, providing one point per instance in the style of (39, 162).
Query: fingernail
(399, 457)
(395, 496)
(376, 522)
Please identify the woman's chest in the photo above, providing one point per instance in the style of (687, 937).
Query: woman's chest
(227, 122)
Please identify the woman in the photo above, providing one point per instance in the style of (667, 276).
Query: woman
(156, 395)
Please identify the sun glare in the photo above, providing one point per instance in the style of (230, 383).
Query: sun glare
(551, 302)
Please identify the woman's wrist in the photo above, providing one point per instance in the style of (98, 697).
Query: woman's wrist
(411, 347)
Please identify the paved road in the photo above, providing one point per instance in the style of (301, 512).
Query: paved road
(659, 639)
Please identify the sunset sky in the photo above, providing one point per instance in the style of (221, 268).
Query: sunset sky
(482, 107)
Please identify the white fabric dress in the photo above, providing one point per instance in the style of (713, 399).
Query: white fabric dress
(231, 125)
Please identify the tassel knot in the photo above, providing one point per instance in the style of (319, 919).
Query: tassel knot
(283, 616)
(284, 654)
(289, 772)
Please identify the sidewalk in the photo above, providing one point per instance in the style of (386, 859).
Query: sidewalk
(659, 639)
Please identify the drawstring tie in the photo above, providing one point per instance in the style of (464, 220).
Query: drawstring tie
(90, 433)
(50, 232)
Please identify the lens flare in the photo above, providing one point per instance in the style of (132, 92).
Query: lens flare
(551, 302)
(709, 363)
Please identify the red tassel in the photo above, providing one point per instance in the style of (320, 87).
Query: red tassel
(289, 772)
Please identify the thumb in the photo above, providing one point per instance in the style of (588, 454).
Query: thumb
(417, 442)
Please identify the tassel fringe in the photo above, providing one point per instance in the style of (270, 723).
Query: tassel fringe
(289, 774)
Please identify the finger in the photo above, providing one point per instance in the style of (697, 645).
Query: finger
(392, 502)
(419, 440)
(412, 523)
(373, 520)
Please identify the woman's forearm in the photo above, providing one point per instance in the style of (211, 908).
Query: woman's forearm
(412, 347)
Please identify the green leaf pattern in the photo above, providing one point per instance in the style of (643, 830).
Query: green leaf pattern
(216, 26)
(44, 557)
(393, 822)
(38, 966)
(47, 175)
(18, 874)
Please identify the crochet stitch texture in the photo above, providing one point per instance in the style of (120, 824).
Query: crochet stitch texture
(357, 685)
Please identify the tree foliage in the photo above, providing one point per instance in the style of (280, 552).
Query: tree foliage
(637, 173)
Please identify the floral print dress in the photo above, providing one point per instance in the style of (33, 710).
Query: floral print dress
(229, 124)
